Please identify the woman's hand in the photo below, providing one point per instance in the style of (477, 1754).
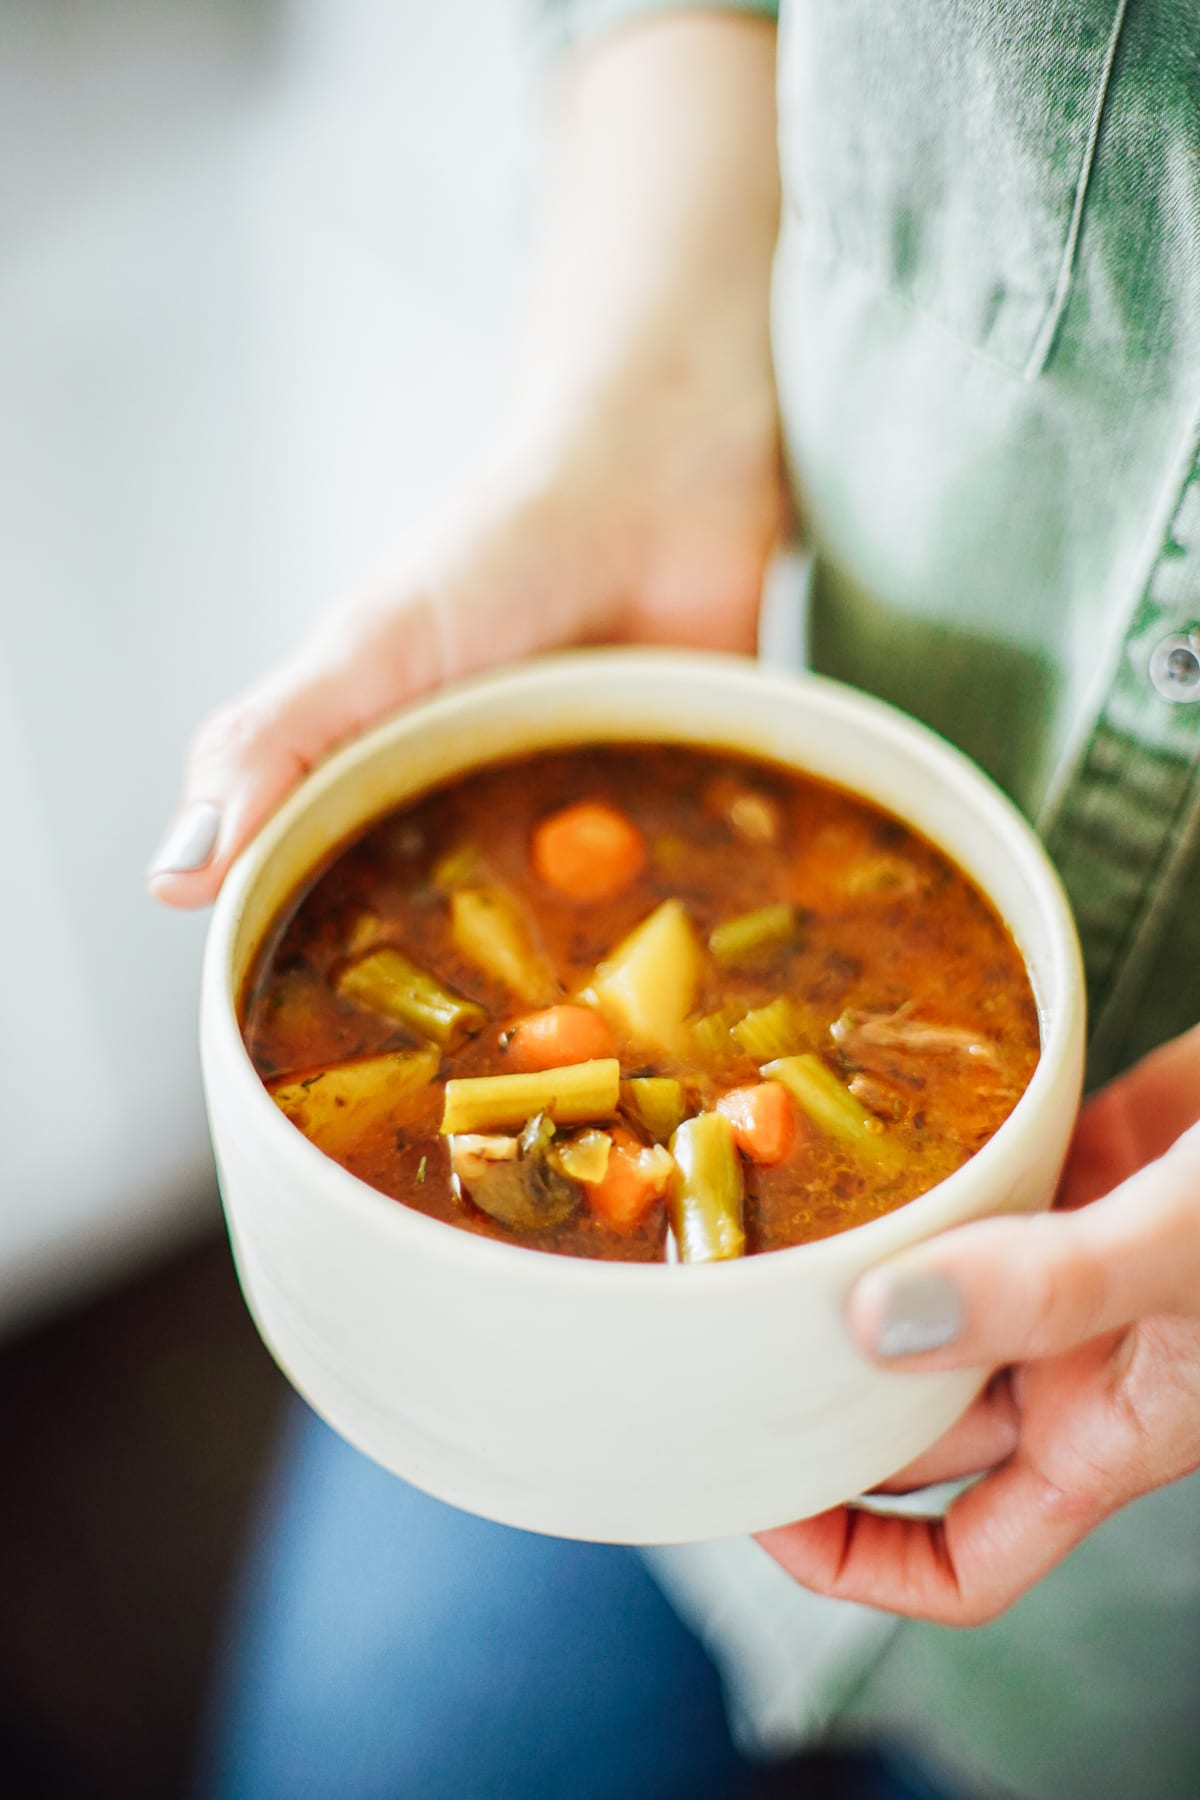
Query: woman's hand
(633, 491)
(1096, 1307)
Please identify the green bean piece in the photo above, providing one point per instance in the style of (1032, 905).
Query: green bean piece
(743, 939)
(580, 1094)
(705, 1195)
(833, 1109)
(655, 1104)
(386, 981)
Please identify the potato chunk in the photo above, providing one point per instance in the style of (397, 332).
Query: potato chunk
(647, 986)
(336, 1106)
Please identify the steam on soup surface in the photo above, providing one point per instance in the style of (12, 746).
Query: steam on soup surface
(643, 1001)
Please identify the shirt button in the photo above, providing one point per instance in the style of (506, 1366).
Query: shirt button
(1175, 668)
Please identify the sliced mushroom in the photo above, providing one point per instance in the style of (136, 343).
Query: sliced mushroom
(515, 1180)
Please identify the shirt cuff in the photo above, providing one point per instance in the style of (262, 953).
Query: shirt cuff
(559, 26)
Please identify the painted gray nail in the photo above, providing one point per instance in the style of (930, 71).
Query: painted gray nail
(190, 842)
(920, 1312)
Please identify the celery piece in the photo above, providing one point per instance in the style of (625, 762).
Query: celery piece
(335, 1106)
(882, 877)
(577, 1095)
(705, 1192)
(584, 1157)
(832, 1108)
(753, 814)
(671, 853)
(364, 932)
(459, 867)
(743, 939)
(655, 1104)
(710, 1039)
(386, 981)
(783, 1028)
(647, 985)
(491, 931)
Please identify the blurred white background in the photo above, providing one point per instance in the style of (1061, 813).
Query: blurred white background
(256, 262)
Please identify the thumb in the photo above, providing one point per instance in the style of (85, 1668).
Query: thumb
(1014, 1289)
(502, 591)
(246, 757)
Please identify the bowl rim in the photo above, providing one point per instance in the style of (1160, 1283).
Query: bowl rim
(937, 1209)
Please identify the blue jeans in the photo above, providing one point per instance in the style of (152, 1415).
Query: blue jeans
(388, 1646)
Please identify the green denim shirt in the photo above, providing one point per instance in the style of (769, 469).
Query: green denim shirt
(986, 323)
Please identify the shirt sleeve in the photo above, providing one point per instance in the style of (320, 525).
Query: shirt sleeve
(556, 26)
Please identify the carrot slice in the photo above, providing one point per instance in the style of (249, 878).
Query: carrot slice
(636, 1177)
(763, 1120)
(557, 1037)
(588, 851)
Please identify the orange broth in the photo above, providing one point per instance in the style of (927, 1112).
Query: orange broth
(899, 977)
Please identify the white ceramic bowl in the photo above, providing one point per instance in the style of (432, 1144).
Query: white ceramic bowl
(627, 1403)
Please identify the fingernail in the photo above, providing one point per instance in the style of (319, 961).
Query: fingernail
(920, 1312)
(190, 842)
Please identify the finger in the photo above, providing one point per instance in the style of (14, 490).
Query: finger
(1134, 1119)
(248, 756)
(997, 1540)
(465, 601)
(1008, 1290)
(986, 1435)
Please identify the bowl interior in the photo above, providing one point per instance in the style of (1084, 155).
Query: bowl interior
(802, 721)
